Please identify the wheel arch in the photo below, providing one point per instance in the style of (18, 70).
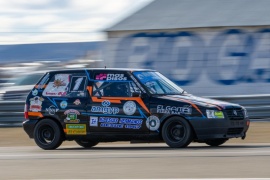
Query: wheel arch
(171, 116)
(57, 121)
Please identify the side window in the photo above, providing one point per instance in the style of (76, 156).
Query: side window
(109, 87)
(66, 85)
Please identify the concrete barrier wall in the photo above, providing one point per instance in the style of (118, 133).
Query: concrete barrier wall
(11, 113)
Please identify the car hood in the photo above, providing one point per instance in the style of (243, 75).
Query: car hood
(195, 100)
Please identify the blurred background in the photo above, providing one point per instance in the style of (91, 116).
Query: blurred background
(217, 49)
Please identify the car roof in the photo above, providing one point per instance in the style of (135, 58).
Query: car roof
(105, 69)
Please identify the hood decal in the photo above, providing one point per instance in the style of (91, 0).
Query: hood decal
(187, 101)
(209, 102)
(198, 100)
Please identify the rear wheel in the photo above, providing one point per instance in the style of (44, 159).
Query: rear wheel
(48, 135)
(215, 142)
(177, 133)
(86, 143)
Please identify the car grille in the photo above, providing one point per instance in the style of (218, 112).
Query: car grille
(233, 131)
(235, 114)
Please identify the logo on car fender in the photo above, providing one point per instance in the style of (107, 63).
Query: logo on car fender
(105, 109)
(129, 108)
(72, 116)
(152, 123)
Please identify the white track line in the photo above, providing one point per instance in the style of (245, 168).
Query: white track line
(182, 179)
(104, 154)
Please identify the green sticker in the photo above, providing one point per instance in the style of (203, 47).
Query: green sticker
(219, 114)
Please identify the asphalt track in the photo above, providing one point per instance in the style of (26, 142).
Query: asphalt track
(136, 161)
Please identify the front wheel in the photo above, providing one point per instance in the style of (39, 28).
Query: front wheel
(86, 143)
(215, 142)
(48, 135)
(177, 133)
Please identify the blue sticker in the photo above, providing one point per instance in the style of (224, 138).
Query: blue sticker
(34, 92)
(145, 77)
(63, 104)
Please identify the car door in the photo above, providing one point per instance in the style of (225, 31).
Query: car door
(113, 107)
(66, 99)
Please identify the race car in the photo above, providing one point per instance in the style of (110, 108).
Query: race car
(137, 105)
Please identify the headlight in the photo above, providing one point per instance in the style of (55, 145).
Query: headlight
(245, 113)
(214, 114)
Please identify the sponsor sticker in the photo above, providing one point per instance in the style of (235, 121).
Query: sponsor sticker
(109, 125)
(59, 82)
(77, 102)
(36, 103)
(93, 121)
(78, 83)
(34, 92)
(219, 114)
(105, 109)
(101, 76)
(124, 123)
(153, 123)
(106, 103)
(129, 108)
(52, 110)
(174, 109)
(108, 120)
(116, 77)
(71, 116)
(58, 87)
(76, 129)
(137, 83)
(56, 93)
(110, 77)
(63, 104)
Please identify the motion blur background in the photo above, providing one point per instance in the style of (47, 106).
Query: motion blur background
(213, 48)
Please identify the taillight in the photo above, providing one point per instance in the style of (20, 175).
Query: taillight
(25, 111)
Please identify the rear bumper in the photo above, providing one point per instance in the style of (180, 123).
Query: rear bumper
(220, 128)
(29, 126)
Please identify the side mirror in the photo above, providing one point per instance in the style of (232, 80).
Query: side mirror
(136, 94)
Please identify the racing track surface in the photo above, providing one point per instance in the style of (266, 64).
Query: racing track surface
(122, 160)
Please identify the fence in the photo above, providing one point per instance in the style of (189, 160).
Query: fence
(11, 113)
(258, 107)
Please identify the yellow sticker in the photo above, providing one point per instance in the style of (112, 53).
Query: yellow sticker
(76, 129)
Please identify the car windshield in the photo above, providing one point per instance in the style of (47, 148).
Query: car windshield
(156, 83)
(29, 79)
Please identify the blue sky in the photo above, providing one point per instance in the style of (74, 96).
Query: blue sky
(41, 21)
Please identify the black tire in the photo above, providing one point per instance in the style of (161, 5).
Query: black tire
(48, 135)
(215, 142)
(177, 133)
(85, 143)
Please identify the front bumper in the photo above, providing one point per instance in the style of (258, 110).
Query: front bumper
(29, 126)
(220, 128)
